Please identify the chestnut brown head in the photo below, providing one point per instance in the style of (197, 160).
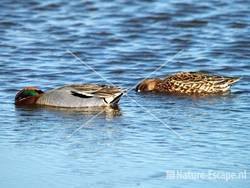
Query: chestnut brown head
(28, 96)
(147, 85)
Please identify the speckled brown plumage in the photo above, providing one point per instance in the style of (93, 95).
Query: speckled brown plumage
(189, 83)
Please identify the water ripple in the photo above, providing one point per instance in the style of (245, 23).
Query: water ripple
(124, 41)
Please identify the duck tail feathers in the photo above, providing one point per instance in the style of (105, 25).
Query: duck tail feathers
(233, 80)
(114, 99)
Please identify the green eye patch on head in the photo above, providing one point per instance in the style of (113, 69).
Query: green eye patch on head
(30, 93)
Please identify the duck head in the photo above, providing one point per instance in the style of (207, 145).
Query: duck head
(28, 96)
(147, 85)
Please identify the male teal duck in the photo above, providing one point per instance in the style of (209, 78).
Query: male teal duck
(189, 83)
(71, 96)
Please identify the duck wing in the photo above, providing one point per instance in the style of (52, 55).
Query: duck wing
(110, 94)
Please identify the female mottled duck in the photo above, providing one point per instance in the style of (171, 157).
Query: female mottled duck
(189, 83)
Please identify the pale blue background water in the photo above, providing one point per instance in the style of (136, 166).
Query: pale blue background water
(124, 41)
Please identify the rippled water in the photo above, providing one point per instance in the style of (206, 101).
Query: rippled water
(124, 41)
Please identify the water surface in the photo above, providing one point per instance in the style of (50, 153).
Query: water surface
(124, 41)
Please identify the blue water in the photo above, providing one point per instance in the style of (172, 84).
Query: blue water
(123, 41)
